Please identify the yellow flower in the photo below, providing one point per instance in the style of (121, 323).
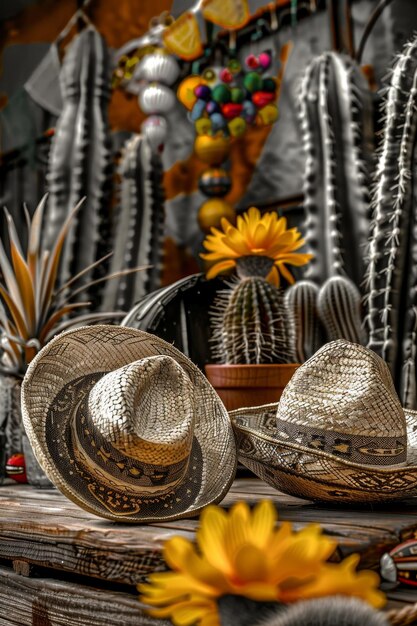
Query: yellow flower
(242, 553)
(255, 235)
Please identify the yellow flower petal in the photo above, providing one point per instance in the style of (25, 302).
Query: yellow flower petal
(220, 267)
(273, 276)
(340, 579)
(250, 564)
(210, 538)
(285, 272)
(189, 613)
(238, 531)
(263, 521)
(211, 618)
(175, 551)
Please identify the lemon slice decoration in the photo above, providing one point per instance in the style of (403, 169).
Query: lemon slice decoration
(185, 91)
(230, 14)
(183, 37)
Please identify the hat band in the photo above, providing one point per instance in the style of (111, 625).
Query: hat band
(95, 450)
(363, 449)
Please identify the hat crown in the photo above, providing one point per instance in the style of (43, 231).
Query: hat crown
(146, 410)
(345, 392)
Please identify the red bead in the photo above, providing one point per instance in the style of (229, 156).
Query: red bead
(262, 98)
(231, 110)
(226, 75)
(252, 62)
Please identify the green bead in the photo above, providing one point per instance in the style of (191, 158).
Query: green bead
(268, 84)
(221, 94)
(237, 95)
(253, 82)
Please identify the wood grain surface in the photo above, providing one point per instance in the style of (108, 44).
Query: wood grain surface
(61, 566)
(43, 528)
(48, 602)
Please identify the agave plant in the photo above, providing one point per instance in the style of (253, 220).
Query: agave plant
(32, 309)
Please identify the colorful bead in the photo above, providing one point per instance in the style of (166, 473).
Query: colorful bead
(212, 211)
(231, 110)
(237, 127)
(265, 60)
(262, 98)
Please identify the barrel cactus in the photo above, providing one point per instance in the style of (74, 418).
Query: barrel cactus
(301, 304)
(251, 325)
(250, 321)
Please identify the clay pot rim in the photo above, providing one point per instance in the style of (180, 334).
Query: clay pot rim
(250, 376)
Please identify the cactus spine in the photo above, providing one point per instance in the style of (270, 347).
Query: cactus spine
(392, 275)
(336, 114)
(80, 159)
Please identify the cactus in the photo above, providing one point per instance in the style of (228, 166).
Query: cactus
(392, 275)
(250, 324)
(80, 161)
(340, 610)
(139, 226)
(339, 307)
(301, 304)
(336, 124)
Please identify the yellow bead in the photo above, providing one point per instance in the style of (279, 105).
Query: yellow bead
(268, 114)
(203, 126)
(211, 212)
(212, 149)
(237, 127)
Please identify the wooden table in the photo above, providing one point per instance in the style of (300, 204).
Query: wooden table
(62, 566)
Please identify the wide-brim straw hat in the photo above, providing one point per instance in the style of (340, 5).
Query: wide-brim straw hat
(339, 432)
(126, 426)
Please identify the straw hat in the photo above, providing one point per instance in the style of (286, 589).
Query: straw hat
(339, 432)
(126, 426)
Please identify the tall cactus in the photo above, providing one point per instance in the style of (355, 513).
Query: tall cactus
(336, 124)
(80, 159)
(392, 275)
(250, 325)
(138, 226)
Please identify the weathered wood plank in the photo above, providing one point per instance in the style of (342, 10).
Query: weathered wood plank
(46, 529)
(46, 602)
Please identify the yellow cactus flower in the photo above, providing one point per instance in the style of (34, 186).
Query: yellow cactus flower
(243, 553)
(259, 236)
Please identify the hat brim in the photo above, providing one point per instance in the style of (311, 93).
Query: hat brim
(69, 365)
(314, 474)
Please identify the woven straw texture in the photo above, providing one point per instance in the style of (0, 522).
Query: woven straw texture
(338, 433)
(126, 426)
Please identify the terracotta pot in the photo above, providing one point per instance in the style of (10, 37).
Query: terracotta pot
(249, 385)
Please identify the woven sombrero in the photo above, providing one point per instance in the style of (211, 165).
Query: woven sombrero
(339, 432)
(126, 426)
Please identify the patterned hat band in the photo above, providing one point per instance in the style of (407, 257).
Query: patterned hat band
(97, 455)
(373, 451)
